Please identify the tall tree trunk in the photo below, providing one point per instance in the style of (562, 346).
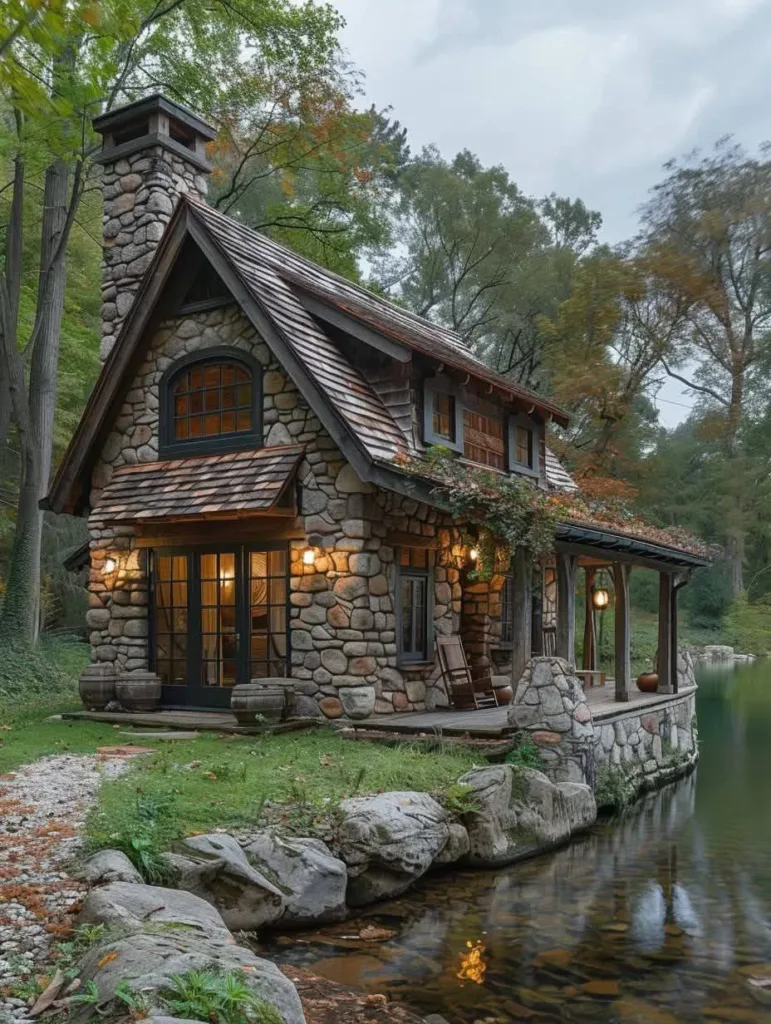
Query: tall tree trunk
(735, 527)
(21, 608)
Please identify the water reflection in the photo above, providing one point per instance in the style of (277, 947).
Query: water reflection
(661, 915)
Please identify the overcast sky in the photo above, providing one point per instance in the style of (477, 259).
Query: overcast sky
(580, 97)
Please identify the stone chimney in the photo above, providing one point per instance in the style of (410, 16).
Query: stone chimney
(152, 151)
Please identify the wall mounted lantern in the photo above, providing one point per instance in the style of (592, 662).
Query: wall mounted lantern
(309, 556)
(110, 565)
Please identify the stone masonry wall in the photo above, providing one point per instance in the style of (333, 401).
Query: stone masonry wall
(620, 753)
(342, 615)
(140, 193)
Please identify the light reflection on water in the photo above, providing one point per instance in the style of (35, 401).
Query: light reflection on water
(662, 915)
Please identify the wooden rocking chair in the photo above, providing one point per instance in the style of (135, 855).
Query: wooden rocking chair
(465, 693)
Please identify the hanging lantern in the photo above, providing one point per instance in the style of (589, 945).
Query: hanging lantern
(600, 599)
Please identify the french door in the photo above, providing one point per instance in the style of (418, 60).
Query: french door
(218, 617)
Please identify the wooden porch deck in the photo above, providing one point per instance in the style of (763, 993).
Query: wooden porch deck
(492, 723)
(488, 723)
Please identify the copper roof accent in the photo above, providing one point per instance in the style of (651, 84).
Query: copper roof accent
(253, 252)
(210, 486)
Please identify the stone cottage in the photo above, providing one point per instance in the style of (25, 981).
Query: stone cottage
(241, 464)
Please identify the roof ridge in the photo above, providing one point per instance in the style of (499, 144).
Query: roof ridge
(345, 281)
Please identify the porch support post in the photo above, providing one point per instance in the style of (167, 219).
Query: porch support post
(621, 574)
(665, 633)
(590, 641)
(566, 607)
(523, 613)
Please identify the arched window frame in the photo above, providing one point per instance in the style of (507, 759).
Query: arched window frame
(169, 446)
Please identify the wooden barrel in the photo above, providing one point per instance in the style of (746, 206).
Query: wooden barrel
(96, 686)
(138, 691)
(258, 701)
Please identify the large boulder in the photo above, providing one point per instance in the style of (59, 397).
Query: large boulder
(216, 868)
(313, 880)
(128, 907)
(108, 866)
(388, 841)
(147, 961)
(520, 812)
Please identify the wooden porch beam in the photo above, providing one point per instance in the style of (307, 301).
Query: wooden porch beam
(522, 613)
(590, 640)
(665, 633)
(566, 606)
(621, 575)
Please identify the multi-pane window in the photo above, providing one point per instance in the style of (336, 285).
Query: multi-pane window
(483, 439)
(507, 611)
(219, 624)
(170, 619)
(414, 604)
(523, 446)
(211, 400)
(267, 613)
(444, 415)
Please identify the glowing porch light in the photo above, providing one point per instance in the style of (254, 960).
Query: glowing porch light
(110, 565)
(309, 556)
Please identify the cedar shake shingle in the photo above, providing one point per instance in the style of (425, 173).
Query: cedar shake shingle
(216, 485)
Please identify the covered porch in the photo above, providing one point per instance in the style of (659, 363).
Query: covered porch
(608, 560)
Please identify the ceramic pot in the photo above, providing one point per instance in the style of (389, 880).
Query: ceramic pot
(138, 691)
(505, 695)
(648, 682)
(248, 700)
(96, 687)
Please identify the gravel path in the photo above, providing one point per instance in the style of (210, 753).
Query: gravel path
(42, 810)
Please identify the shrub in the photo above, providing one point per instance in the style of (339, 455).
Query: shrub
(525, 754)
(459, 799)
(217, 998)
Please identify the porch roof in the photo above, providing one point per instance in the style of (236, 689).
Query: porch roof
(220, 486)
(600, 540)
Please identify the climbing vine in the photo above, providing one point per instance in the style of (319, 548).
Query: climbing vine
(509, 511)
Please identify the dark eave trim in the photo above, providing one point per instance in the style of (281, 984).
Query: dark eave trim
(101, 406)
(262, 322)
(79, 558)
(323, 311)
(576, 539)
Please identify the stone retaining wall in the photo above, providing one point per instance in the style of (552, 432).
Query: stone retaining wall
(620, 753)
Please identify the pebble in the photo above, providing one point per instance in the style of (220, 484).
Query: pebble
(42, 810)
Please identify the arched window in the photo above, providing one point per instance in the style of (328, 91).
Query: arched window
(211, 403)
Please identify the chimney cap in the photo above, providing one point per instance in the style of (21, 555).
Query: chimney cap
(113, 120)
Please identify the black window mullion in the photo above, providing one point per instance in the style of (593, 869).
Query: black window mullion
(195, 639)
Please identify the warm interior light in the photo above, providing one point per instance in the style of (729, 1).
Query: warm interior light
(473, 554)
(309, 556)
(600, 599)
(110, 565)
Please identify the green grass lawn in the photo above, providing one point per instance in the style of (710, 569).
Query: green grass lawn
(224, 781)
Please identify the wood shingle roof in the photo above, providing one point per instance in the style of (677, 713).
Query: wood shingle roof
(220, 485)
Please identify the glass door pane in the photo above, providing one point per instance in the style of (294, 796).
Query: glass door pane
(267, 613)
(170, 614)
(220, 638)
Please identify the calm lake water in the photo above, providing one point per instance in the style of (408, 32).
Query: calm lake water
(658, 916)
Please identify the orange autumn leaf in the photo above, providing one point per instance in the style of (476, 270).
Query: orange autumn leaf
(107, 959)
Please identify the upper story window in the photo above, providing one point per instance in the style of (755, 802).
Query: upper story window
(443, 415)
(479, 431)
(523, 446)
(211, 403)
